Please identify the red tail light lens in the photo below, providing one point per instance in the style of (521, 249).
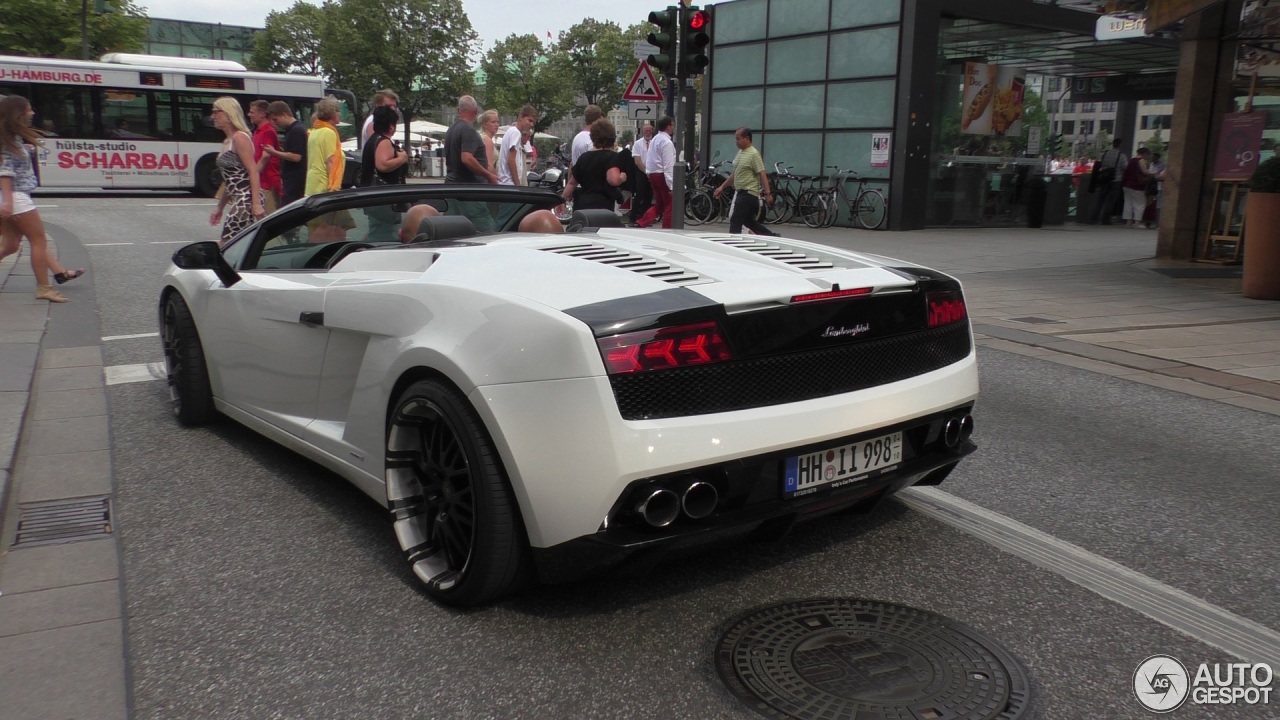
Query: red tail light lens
(664, 348)
(946, 308)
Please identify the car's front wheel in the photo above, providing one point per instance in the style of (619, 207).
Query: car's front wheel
(452, 507)
(184, 361)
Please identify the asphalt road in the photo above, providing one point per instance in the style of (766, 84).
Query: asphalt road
(260, 585)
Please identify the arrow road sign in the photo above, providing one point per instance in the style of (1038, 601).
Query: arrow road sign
(643, 86)
(642, 111)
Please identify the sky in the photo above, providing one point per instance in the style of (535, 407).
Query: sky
(492, 19)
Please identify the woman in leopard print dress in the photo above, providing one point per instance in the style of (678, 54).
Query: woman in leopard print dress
(241, 192)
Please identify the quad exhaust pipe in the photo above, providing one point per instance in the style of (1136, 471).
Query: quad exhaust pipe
(699, 500)
(957, 430)
(660, 506)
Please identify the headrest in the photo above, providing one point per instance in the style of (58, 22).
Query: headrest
(444, 227)
(594, 219)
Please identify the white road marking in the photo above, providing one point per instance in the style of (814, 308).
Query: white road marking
(43, 206)
(1210, 624)
(199, 204)
(120, 374)
(104, 244)
(172, 242)
(109, 338)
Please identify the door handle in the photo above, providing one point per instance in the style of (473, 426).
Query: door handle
(311, 318)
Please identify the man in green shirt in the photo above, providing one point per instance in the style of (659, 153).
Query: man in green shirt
(748, 178)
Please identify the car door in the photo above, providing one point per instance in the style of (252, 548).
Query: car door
(265, 336)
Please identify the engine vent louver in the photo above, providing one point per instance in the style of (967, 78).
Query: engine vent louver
(627, 261)
(779, 253)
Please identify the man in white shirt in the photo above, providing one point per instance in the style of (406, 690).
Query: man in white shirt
(644, 194)
(582, 141)
(382, 97)
(511, 156)
(660, 164)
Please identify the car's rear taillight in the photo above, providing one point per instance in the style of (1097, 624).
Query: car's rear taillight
(945, 307)
(664, 348)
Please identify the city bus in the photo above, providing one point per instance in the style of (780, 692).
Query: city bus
(139, 121)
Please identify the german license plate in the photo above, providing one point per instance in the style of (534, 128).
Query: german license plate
(842, 465)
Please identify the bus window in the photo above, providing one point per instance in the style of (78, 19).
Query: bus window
(126, 116)
(65, 111)
(195, 119)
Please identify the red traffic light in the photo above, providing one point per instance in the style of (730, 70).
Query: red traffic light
(698, 20)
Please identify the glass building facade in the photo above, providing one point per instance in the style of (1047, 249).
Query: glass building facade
(818, 80)
(813, 79)
(210, 41)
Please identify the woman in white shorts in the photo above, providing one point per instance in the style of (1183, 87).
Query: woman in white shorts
(18, 214)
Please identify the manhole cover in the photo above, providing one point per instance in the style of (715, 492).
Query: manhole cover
(867, 660)
(63, 521)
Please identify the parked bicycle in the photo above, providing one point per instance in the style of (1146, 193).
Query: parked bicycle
(700, 204)
(820, 206)
(787, 188)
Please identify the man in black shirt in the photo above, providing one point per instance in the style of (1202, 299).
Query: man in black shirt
(293, 152)
(466, 161)
(466, 157)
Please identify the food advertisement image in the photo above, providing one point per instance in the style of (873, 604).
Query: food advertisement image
(992, 101)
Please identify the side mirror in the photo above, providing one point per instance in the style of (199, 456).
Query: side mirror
(206, 256)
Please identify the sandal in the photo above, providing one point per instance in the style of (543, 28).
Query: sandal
(67, 276)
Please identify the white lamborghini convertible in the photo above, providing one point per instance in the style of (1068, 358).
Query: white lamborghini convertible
(538, 406)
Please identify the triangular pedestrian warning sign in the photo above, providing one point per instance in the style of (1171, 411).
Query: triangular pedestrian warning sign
(643, 86)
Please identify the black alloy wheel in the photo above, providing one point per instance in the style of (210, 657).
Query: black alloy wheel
(185, 367)
(451, 504)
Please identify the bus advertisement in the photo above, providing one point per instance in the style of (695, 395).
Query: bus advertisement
(139, 121)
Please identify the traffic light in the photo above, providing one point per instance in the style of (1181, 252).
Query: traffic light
(1053, 146)
(693, 46)
(665, 40)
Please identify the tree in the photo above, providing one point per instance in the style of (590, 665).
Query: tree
(419, 48)
(51, 28)
(518, 72)
(290, 41)
(595, 58)
(1156, 143)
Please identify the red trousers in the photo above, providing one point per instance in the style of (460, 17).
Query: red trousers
(661, 202)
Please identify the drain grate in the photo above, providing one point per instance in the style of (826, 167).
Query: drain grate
(63, 521)
(869, 660)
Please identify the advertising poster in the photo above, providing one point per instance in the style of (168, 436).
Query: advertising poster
(992, 100)
(1238, 145)
(879, 150)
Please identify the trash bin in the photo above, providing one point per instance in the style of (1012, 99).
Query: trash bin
(1058, 199)
(1086, 203)
(1036, 197)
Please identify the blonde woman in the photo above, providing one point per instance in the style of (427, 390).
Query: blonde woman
(241, 191)
(325, 161)
(489, 132)
(18, 214)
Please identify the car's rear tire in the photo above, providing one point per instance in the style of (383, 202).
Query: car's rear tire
(185, 367)
(452, 507)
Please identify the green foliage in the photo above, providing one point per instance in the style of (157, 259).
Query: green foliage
(1101, 143)
(419, 48)
(290, 42)
(518, 72)
(595, 58)
(51, 28)
(1156, 143)
(1266, 178)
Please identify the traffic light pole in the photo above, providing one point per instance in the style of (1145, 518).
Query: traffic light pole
(673, 87)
